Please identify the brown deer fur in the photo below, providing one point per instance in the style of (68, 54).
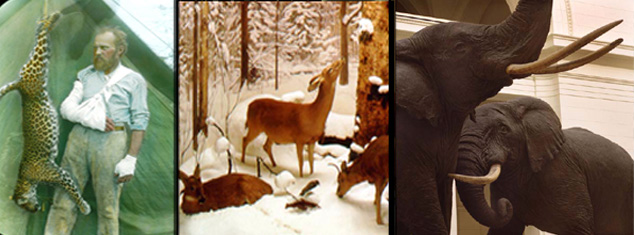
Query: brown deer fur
(372, 165)
(224, 191)
(286, 122)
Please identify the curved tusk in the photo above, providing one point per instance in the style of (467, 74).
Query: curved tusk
(580, 62)
(529, 68)
(494, 172)
(337, 167)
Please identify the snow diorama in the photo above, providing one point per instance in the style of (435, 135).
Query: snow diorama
(283, 117)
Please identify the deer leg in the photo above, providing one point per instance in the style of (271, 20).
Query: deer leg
(311, 149)
(246, 140)
(267, 148)
(380, 186)
(300, 157)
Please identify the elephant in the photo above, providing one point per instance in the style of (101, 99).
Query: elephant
(443, 72)
(568, 181)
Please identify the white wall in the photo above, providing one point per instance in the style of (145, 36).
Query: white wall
(598, 96)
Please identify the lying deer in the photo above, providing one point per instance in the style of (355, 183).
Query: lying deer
(372, 165)
(224, 191)
(285, 122)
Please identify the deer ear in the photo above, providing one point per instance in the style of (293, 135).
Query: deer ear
(315, 81)
(416, 92)
(182, 176)
(542, 130)
(197, 171)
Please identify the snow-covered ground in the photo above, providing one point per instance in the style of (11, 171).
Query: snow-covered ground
(353, 214)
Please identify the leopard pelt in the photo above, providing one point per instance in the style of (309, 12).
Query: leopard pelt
(40, 128)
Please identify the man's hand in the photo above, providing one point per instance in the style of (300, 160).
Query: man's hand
(124, 170)
(109, 125)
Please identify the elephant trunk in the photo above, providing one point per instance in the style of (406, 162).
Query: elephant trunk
(526, 30)
(472, 196)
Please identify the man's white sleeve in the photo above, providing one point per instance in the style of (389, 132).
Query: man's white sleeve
(72, 110)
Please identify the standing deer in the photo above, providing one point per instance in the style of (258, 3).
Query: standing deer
(372, 165)
(224, 191)
(285, 122)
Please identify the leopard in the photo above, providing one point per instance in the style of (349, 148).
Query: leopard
(40, 127)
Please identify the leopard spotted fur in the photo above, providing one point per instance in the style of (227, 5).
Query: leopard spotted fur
(40, 128)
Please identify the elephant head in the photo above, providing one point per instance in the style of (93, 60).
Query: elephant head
(513, 139)
(455, 66)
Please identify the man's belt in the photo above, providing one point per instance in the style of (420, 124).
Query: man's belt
(119, 128)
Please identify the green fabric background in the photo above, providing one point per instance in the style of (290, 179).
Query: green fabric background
(147, 202)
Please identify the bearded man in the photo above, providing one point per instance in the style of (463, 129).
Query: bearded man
(108, 105)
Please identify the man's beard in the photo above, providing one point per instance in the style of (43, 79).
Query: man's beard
(101, 63)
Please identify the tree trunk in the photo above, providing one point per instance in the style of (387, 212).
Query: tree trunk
(244, 56)
(186, 74)
(200, 74)
(343, 79)
(277, 22)
(195, 80)
(203, 68)
(372, 107)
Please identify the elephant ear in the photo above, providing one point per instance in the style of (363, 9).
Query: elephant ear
(542, 128)
(415, 90)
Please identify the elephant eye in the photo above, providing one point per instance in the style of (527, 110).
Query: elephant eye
(504, 129)
(460, 47)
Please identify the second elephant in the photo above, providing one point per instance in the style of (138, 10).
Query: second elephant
(562, 181)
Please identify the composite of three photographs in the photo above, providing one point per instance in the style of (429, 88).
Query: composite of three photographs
(290, 117)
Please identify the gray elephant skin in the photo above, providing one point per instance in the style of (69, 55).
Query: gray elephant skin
(443, 72)
(568, 181)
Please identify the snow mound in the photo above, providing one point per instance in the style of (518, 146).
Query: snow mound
(339, 125)
(384, 89)
(365, 25)
(222, 145)
(295, 97)
(334, 150)
(375, 80)
(283, 180)
(210, 165)
(356, 148)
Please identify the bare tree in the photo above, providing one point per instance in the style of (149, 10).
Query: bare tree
(345, 21)
(343, 80)
(277, 23)
(245, 43)
(185, 70)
